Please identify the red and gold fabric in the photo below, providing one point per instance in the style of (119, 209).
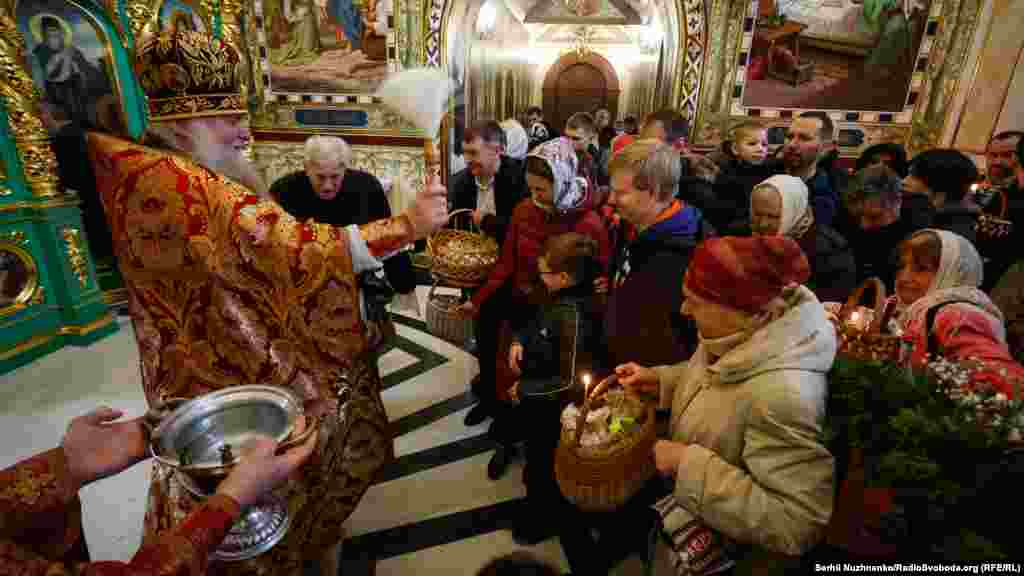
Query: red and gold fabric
(225, 290)
(41, 528)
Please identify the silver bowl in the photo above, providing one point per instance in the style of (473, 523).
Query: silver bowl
(201, 439)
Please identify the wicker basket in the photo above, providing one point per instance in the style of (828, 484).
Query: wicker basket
(461, 258)
(604, 480)
(990, 227)
(444, 319)
(862, 337)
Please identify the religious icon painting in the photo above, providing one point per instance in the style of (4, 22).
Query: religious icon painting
(848, 55)
(69, 56)
(182, 15)
(328, 47)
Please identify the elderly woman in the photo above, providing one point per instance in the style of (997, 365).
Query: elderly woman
(747, 412)
(944, 311)
(779, 206)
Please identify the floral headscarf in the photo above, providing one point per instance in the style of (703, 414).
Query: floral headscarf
(569, 190)
(516, 138)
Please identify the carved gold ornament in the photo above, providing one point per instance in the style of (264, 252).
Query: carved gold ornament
(21, 99)
(140, 16)
(77, 254)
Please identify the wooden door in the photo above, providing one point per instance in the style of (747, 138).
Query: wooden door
(580, 88)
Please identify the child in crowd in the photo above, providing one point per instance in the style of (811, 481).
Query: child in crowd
(745, 163)
(558, 203)
(554, 352)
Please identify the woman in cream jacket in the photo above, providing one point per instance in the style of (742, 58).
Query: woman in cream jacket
(753, 482)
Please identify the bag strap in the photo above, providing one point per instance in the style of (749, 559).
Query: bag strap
(929, 324)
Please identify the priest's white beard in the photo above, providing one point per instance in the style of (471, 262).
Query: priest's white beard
(225, 160)
(208, 152)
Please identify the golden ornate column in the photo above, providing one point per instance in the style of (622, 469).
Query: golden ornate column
(21, 100)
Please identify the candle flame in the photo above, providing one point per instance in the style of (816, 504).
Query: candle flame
(974, 187)
(586, 379)
(855, 317)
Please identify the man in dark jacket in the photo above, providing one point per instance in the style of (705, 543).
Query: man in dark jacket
(491, 184)
(879, 222)
(329, 191)
(945, 177)
(642, 322)
(809, 139)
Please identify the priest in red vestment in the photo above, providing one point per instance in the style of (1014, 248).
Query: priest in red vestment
(227, 289)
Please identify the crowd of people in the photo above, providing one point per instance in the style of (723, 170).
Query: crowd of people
(700, 279)
(697, 279)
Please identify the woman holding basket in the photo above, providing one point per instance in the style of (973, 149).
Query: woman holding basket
(752, 481)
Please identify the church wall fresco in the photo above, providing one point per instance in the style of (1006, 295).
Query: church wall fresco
(947, 30)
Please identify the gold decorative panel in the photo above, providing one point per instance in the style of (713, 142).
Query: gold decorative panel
(402, 167)
(77, 254)
(21, 101)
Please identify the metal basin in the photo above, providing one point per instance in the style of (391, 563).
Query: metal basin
(204, 435)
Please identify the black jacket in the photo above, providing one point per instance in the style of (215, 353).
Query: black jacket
(509, 189)
(562, 340)
(642, 321)
(360, 201)
(958, 219)
(730, 207)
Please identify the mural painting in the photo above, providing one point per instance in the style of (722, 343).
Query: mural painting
(834, 54)
(69, 59)
(327, 46)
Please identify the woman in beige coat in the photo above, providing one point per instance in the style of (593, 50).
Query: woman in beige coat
(752, 479)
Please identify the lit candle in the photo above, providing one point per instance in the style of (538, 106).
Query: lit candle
(586, 381)
(855, 318)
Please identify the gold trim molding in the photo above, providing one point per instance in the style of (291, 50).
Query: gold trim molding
(27, 345)
(77, 254)
(21, 100)
(98, 324)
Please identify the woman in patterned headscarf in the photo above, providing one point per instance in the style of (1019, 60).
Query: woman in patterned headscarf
(557, 204)
(945, 312)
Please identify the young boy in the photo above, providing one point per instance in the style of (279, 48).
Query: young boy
(554, 353)
(745, 164)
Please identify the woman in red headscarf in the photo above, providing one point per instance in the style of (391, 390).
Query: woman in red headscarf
(752, 479)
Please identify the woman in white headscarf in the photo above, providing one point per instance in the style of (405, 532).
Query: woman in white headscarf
(517, 141)
(944, 311)
(779, 207)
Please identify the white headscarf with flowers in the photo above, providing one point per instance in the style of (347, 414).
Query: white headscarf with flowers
(568, 190)
(957, 279)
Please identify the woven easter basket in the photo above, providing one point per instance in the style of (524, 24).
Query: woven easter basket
(461, 258)
(603, 478)
(444, 318)
(860, 328)
(989, 227)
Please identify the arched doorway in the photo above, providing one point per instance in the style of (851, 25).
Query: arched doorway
(579, 83)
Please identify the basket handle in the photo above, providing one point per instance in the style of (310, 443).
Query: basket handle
(858, 294)
(597, 391)
(430, 244)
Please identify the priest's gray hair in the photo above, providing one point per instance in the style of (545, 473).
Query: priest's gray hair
(323, 149)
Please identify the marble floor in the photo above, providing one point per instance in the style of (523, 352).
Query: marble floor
(434, 511)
